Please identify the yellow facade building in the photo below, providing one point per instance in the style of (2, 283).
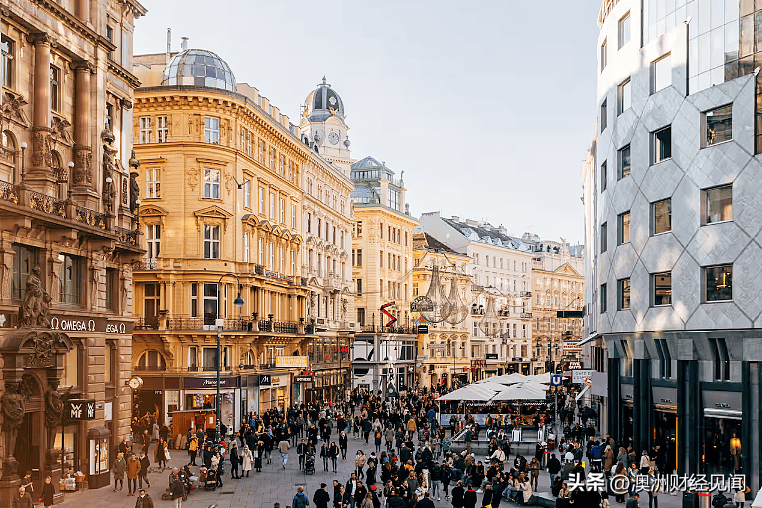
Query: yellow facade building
(225, 175)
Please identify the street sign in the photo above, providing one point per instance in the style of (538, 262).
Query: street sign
(556, 379)
(580, 375)
(303, 379)
(491, 356)
(423, 329)
(391, 317)
(79, 409)
(572, 346)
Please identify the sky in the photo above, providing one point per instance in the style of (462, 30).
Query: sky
(488, 106)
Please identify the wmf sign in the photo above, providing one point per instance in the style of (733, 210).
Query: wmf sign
(80, 409)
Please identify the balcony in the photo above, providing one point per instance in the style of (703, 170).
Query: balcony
(526, 294)
(477, 310)
(147, 264)
(185, 323)
(526, 315)
(389, 329)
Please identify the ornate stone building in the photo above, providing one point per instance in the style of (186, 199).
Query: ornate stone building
(222, 212)
(68, 236)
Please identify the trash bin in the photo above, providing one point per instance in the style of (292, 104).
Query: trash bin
(704, 500)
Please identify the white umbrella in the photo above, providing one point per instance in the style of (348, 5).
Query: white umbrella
(521, 391)
(470, 392)
(505, 379)
(543, 378)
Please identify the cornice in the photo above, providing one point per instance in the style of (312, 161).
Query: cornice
(124, 74)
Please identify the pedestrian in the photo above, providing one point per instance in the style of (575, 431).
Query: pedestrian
(247, 460)
(22, 499)
(284, 446)
(644, 463)
(325, 456)
(143, 500)
(133, 471)
(436, 480)
(333, 453)
(301, 452)
(653, 489)
(321, 497)
(458, 493)
(177, 490)
(343, 444)
(48, 492)
(143, 474)
(257, 452)
(300, 499)
(193, 448)
(359, 463)
(469, 497)
(633, 501)
(234, 461)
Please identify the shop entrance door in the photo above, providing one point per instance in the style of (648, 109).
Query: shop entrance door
(27, 451)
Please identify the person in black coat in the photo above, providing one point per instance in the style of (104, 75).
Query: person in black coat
(321, 497)
(234, 462)
(487, 497)
(48, 492)
(426, 502)
(469, 498)
(395, 501)
(458, 494)
(360, 493)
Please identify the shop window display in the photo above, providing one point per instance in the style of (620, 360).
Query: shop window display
(721, 446)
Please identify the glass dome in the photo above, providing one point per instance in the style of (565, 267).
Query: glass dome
(199, 67)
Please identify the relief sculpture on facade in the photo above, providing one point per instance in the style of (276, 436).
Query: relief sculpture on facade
(42, 157)
(109, 193)
(34, 310)
(134, 192)
(82, 173)
(53, 411)
(13, 408)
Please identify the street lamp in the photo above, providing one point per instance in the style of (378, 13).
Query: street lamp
(238, 302)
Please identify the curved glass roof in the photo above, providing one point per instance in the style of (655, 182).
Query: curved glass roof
(199, 67)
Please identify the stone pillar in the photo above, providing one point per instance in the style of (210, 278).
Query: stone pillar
(82, 179)
(39, 171)
(82, 9)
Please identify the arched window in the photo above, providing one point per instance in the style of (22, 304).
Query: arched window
(151, 359)
(58, 170)
(8, 158)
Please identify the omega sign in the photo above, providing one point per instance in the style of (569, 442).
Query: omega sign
(67, 324)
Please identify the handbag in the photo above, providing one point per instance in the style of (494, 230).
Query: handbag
(166, 454)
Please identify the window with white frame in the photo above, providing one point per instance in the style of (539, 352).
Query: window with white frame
(194, 300)
(211, 241)
(212, 183)
(624, 30)
(246, 247)
(145, 129)
(293, 263)
(247, 194)
(55, 88)
(661, 73)
(282, 264)
(153, 241)
(272, 205)
(212, 130)
(625, 96)
(282, 210)
(262, 200)
(293, 216)
(272, 256)
(162, 129)
(261, 251)
(153, 183)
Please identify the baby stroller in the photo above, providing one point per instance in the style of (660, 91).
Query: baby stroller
(309, 464)
(210, 482)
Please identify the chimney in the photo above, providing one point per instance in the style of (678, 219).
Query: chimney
(184, 44)
(169, 45)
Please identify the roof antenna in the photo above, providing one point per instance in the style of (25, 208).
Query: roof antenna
(169, 45)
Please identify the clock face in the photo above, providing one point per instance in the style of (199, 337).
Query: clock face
(134, 383)
(333, 137)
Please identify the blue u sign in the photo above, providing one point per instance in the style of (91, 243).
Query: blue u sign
(555, 379)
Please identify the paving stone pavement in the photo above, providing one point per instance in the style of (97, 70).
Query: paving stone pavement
(273, 484)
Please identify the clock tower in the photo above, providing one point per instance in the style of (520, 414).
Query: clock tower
(323, 126)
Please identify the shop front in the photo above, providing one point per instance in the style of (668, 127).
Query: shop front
(626, 416)
(665, 425)
(721, 432)
(274, 391)
(201, 393)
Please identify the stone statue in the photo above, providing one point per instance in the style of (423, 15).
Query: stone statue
(53, 411)
(108, 174)
(13, 408)
(33, 312)
(134, 192)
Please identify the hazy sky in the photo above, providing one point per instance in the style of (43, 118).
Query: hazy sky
(487, 105)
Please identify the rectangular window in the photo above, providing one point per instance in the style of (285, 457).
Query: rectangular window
(359, 229)
(624, 293)
(359, 257)
(604, 56)
(293, 263)
(26, 258)
(604, 237)
(194, 300)
(212, 183)
(603, 295)
(718, 283)
(604, 114)
(282, 262)
(212, 130)
(211, 242)
(624, 228)
(55, 88)
(9, 55)
(719, 125)
(624, 30)
(360, 317)
(151, 304)
(293, 217)
(262, 200)
(604, 176)
(261, 251)
(162, 129)
(272, 205)
(247, 194)
(210, 306)
(624, 162)
(70, 280)
(661, 284)
(282, 210)
(246, 247)
(661, 73)
(153, 183)
(112, 281)
(717, 204)
(358, 287)
(625, 96)
(109, 116)
(662, 216)
(272, 256)
(662, 144)
(145, 129)
(153, 241)
(193, 357)
(110, 38)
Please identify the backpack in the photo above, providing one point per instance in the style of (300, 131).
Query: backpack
(300, 501)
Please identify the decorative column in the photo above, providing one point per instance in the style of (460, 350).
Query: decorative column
(82, 179)
(82, 9)
(40, 170)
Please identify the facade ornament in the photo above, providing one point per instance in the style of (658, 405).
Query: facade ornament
(41, 38)
(193, 178)
(60, 130)
(134, 162)
(13, 408)
(42, 156)
(347, 142)
(83, 65)
(134, 192)
(34, 310)
(125, 194)
(53, 411)
(13, 109)
(82, 168)
(125, 103)
(42, 355)
(107, 136)
(108, 174)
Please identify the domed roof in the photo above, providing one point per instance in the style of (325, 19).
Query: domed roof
(324, 102)
(199, 67)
